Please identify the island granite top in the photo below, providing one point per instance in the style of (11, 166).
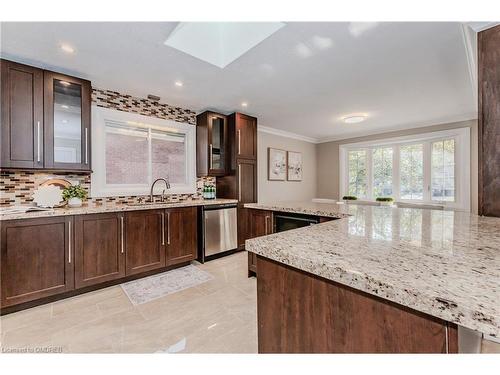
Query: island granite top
(442, 263)
(94, 208)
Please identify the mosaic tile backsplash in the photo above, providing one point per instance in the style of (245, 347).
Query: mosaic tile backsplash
(146, 107)
(17, 187)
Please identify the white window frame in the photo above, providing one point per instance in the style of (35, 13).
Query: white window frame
(462, 165)
(99, 187)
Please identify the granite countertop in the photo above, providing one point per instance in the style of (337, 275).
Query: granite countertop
(442, 263)
(333, 210)
(94, 208)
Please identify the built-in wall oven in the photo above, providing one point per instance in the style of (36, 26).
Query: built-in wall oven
(286, 221)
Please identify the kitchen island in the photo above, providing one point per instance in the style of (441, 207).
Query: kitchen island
(380, 279)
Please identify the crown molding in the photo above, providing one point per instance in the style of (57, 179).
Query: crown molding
(286, 134)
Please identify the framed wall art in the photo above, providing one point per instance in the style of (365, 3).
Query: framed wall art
(276, 164)
(294, 162)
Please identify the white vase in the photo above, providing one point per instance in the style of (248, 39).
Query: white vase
(74, 202)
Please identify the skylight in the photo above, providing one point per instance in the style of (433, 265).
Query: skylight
(220, 43)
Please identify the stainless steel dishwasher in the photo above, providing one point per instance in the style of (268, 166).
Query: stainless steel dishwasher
(219, 231)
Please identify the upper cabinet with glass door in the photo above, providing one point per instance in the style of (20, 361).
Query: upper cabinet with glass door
(45, 119)
(211, 144)
(67, 122)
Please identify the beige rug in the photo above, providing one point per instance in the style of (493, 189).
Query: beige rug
(157, 286)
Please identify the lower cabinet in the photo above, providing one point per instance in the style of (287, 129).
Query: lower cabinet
(260, 223)
(181, 235)
(37, 259)
(99, 248)
(145, 240)
(45, 257)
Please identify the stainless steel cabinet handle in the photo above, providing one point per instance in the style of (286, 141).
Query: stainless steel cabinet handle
(239, 182)
(267, 226)
(168, 228)
(69, 241)
(239, 140)
(86, 146)
(122, 234)
(38, 141)
(211, 156)
(447, 349)
(163, 228)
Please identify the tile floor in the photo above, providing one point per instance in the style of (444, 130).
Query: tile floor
(218, 316)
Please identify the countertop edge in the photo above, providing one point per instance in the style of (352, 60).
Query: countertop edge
(104, 208)
(430, 305)
(304, 211)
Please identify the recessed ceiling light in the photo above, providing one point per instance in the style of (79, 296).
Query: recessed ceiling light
(179, 83)
(67, 48)
(354, 119)
(244, 104)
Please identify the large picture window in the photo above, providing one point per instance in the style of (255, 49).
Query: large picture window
(420, 169)
(130, 151)
(357, 173)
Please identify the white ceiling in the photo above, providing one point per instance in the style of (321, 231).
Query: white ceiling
(302, 79)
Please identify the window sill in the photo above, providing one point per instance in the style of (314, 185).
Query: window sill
(402, 205)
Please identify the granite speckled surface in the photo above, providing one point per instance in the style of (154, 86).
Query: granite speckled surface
(93, 208)
(310, 208)
(442, 263)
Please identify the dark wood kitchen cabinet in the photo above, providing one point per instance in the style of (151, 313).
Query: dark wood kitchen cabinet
(241, 181)
(67, 122)
(245, 131)
(247, 193)
(145, 240)
(335, 318)
(21, 130)
(260, 223)
(489, 121)
(212, 149)
(99, 248)
(37, 259)
(45, 119)
(181, 235)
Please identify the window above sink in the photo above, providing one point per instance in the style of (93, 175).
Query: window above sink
(130, 151)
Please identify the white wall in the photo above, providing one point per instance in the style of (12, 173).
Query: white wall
(274, 191)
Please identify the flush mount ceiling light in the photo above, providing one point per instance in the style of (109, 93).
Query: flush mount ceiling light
(244, 104)
(354, 119)
(220, 43)
(179, 83)
(67, 48)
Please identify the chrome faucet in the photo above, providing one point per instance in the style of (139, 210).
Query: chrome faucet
(167, 185)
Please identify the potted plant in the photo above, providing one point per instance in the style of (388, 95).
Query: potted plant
(347, 198)
(385, 201)
(74, 194)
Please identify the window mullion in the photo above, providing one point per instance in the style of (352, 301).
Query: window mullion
(369, 174)
(427, 171)
(395, 174)
(150, 157)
